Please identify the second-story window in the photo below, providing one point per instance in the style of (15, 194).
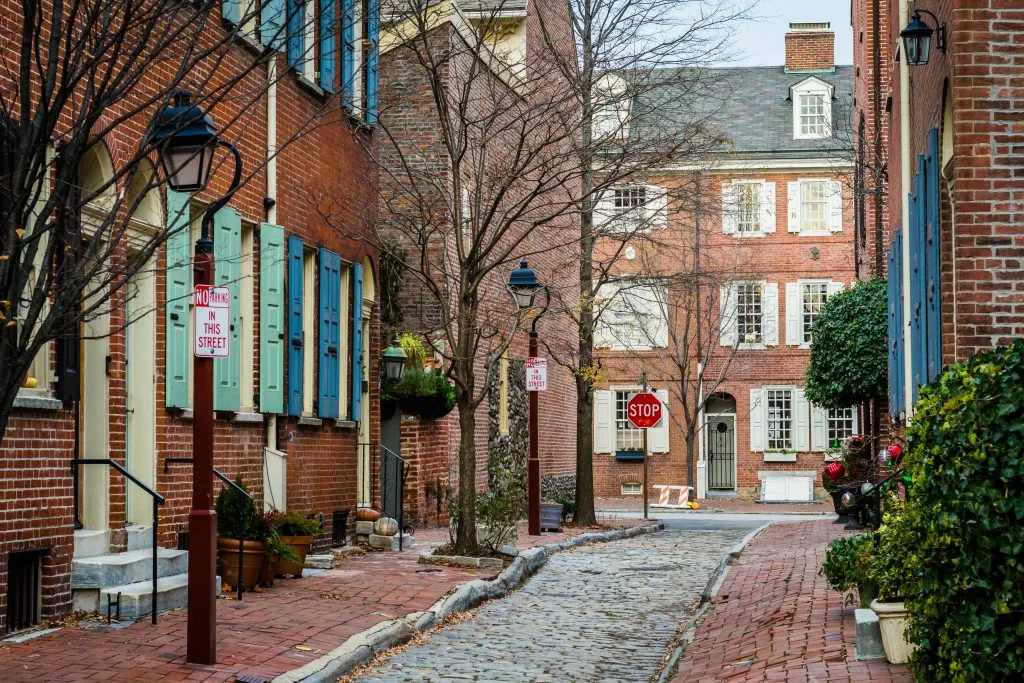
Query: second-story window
(748, 214)
(814, 205)
(812, 115)
(748, 207)
(812, 297)
(749, 313)
(629, 203)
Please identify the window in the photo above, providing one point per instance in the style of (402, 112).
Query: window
(301, 33)
(812, 297)
(812, 108)
(309, 318)
(842, 424)
(632, 488)
(780, 419)
(631, 315)
(627, 437)
(749, 312)
(748, 213)
(812, 115)
(344, 335)
(814, 205)
(629, 203)
(246, 319)
(248, 17)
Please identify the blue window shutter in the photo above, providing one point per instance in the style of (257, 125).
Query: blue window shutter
(901, 320)
(372, 31)
(272, 24)
(227, 259)
(296, 33)
(348, 53)
(933, 260)
(327, 50)
(229, 10)
(920, 349)
(295, 339)
(357, 339)
(330, 326)
(892, 299)
(178, 345)
(272, 307)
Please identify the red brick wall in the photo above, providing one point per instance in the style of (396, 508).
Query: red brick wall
(810, 50)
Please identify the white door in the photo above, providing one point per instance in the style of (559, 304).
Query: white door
(140, 418)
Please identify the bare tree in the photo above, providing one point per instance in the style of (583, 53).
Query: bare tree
(71, 75)
(644, 102)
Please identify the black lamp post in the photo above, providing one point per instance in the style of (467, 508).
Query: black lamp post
(524, 286)
(917, 38)
(186, 139)
(393, 362)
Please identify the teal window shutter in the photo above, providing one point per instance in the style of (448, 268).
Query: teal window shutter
(272, 31)
(357, 339)
(178, 345)
(327, 56)
(272, 266)
(348, 53)
(295, 336)
(372, 35)
(296, 33)
(227, 258)
(229, 10)
(933, 259)
(330, 328)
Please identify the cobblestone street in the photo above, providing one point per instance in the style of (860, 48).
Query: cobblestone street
(601, 613)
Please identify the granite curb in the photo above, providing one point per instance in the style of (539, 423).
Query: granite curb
(385, 635)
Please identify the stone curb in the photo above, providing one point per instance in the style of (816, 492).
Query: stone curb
(387, 634)
(714, 584)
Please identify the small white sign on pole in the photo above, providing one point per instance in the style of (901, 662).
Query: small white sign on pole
(536, 374)
(212, 321)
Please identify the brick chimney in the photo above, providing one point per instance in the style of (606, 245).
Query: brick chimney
(810, 46)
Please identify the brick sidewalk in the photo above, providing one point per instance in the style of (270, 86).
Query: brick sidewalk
(774, 619)
(609, 505)
(262, 635)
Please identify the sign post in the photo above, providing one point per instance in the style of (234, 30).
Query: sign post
(536, 381)
(644, 411)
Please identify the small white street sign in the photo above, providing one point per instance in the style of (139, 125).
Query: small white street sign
(212, 321)
(536, 374)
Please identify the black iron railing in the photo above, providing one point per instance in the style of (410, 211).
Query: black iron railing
(393, 471)
(241, 512)
(158, 500)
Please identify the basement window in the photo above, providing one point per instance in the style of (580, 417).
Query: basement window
(24, 595)
(631, 489)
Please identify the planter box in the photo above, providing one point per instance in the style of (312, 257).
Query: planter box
(892, 620)
(550, 516)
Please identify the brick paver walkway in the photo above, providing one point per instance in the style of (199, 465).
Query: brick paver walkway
(610, 505)
(265, 635)
(774, 619)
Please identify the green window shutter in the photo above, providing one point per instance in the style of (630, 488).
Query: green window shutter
(178, 345)
(271, 318)
(227, 256)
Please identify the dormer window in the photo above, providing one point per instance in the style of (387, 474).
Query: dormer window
(812, 109)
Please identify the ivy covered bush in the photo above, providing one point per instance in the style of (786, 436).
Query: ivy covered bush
(849, 347)
(966, 521)
(847, 563)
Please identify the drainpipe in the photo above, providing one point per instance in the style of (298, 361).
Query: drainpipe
(905, 158)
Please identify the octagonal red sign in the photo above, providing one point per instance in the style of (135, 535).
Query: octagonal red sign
(643, 410)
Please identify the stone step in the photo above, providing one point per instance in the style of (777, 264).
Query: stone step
(91, 542)
(140, 537)
(119, 569)
(137, 598)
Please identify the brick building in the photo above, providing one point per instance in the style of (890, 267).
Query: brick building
(295, 403)
(491, 58)
(765, 227)
(954, 142)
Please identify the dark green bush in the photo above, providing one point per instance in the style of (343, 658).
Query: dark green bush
(849, 348)
(236, 515)
(966, 455)
(846, 561)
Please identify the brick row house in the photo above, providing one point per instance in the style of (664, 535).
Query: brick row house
(767, 225)
(296, 400)
(952, 139)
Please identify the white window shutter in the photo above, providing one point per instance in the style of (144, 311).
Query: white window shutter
(604, 209)
(757, 420)
(604, 423)
(801, 418)
(657, 206)
(727, 315)
(793, 317)
(819, 428)
(770, 313)
(835, 198)
(767, 206)
(730, 207)
(794, 206)
(856, 421)
(658, 316)
(657, 437)
(835, 287)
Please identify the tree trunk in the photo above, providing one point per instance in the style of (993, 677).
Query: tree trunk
(584, 513)
(465, 541)
(691, 459)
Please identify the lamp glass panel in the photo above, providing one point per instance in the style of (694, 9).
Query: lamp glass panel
(524, 297)
(185, 167)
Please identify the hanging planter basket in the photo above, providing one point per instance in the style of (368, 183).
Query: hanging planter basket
(388, 405)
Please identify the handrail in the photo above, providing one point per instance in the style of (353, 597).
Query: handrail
(403, 472)
(158, 500)
(241, 512)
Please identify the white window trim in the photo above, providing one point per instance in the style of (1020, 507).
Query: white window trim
(309, 317)
(781, 454)
(813, 233)
(615, 389)
(309, 16)
(812, 86)
(247, 317)
(358, 77)
(800, 295)
(344, 350)
(742, 345)
(760, 232)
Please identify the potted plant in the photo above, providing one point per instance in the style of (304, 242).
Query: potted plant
(239, 530)
(277, 550)
(296, 532)
(892, 568)
(847, 565)
(427, 394)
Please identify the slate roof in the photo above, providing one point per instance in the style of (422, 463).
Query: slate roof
(749, 106)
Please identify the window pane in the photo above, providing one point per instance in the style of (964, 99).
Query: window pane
(748, 312)
(813, 295)
(812, 115)
(627, 437)
(814, 205)
(841, 425)
(780, 419)
(748, 196)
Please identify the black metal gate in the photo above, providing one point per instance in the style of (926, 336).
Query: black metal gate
(722, 452)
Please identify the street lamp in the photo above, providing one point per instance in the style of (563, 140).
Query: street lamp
(917, 38)
(393, 361)
(523, 285)
(186, 140)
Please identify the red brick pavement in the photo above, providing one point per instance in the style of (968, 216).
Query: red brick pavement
(261, 635)
(774, 619)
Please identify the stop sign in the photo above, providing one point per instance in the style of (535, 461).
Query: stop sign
(643, 410)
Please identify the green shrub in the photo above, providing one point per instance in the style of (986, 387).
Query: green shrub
(849, 351)
(236, 515)
(966, 457)
(291, 523)
(846, 561)
(893, 566)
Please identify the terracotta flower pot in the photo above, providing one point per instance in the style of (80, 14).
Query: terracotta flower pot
(267, 571)
(253, 555)
(892, 620)
(300, 544)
